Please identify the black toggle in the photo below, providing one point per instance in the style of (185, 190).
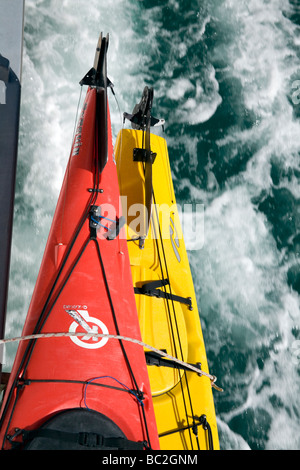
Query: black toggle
(95, 223)
(116, 227)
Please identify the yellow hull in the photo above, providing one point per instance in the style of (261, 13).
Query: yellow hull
(166, 323)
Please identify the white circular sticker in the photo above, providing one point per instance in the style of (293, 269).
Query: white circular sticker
(94, 325)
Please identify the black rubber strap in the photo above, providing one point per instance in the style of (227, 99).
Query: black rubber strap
(154, 359)
(151, 288)
(86, 439)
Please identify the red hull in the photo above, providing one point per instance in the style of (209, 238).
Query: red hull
(91, 276)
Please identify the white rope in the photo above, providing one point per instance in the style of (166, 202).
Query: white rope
(118, 337)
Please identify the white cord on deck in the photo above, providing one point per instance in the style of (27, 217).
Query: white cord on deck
(118, 337)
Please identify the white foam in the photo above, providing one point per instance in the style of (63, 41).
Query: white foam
(238, 267)
(199, 107)
(179, 87)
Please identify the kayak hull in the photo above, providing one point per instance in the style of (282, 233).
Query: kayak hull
(168, 313)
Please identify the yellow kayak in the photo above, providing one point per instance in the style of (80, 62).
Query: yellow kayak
(164, 293)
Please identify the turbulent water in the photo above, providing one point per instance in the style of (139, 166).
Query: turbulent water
(226, 79)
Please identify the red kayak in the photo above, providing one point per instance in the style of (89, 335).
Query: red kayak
(79, 391)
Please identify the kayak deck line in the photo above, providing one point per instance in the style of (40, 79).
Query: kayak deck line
(91, 334)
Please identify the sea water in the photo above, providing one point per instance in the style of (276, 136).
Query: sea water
(226, 78)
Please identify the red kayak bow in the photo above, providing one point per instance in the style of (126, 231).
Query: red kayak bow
(79, 392)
